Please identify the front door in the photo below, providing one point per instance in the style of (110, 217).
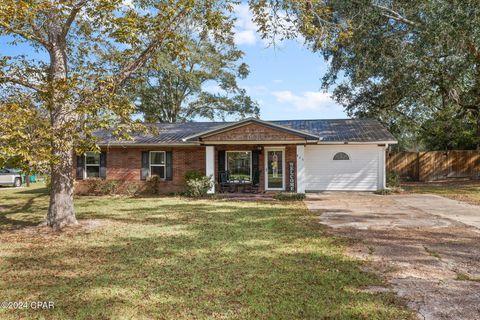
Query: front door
(274, 169)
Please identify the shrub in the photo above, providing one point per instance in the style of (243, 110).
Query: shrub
(198, 186)
(192, 175)
(131, 190)
(109, 187)
(152, 184)
(393, 179)
(94, 186)
(289, 196)
(97, 186)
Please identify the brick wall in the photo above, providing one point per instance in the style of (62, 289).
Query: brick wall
(124, 165)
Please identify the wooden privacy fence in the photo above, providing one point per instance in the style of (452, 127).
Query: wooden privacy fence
(435, 165)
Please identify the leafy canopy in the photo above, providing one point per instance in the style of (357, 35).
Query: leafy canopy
(202, 83)
(407, 63)
(71, 80)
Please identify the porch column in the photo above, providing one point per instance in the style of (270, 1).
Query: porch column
(210, 165)
(301, 169)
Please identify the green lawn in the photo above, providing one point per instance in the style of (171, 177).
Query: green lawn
(174, 258)
(467, 191)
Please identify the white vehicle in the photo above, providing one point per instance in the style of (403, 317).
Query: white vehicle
(10, 177)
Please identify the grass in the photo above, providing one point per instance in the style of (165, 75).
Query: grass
(175, 258)
(467, 191)
(465, 277)
(434, 254)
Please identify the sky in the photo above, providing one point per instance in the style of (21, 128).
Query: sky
(285, 80)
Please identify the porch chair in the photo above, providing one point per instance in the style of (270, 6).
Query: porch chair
(223, 181)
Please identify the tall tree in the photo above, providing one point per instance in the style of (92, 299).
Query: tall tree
(400, 61)
(92, 48)
(202, 83)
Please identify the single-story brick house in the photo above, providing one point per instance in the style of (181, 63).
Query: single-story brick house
(290, 155)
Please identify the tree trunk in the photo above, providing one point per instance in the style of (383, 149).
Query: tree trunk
(61, 211)
(62, 120)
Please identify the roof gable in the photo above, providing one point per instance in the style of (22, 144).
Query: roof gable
(253, 130)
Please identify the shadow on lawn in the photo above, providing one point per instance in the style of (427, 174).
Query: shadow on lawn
(196, 260)
(29, 210)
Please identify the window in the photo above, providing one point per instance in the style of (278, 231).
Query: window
(157, 164)
(92, 164)
(239, 165)
(341, 156)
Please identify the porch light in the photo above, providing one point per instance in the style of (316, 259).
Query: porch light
(258, 148)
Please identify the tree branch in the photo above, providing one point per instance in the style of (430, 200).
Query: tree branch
(25, 35)
(392, 14)
(71, 17)
(388, 13)
(140, 61)
(24, 83)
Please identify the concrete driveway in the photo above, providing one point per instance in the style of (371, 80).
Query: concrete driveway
(426, 246)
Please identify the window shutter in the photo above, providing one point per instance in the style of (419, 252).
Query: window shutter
(221, 162)
(255, 166)
(168, 165)
(145, 171)
(103, 165)
(80, 167)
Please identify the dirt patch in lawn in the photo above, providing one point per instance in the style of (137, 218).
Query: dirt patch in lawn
(432, 262)
(84, 226)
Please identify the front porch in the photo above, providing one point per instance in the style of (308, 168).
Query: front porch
(265, 156)
(244, 168)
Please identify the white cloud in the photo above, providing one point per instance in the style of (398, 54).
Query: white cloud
(277, 81)
(309, 100)
(245, 28)
(245, 37)
(213, 88)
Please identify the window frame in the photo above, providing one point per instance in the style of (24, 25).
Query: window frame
(85, 165)
(242, 151)
(349, 158)
(164, 165)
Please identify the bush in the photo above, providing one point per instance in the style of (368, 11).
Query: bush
(393, 179)
(131, 190)
(192, 175)
(289, 196)
(94, 186)
(109, 187)
(97, 186)
(197, 184)
(152, 184)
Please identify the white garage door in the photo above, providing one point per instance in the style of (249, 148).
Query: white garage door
(359, 173)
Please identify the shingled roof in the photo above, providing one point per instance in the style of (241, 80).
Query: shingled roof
(325, 130)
